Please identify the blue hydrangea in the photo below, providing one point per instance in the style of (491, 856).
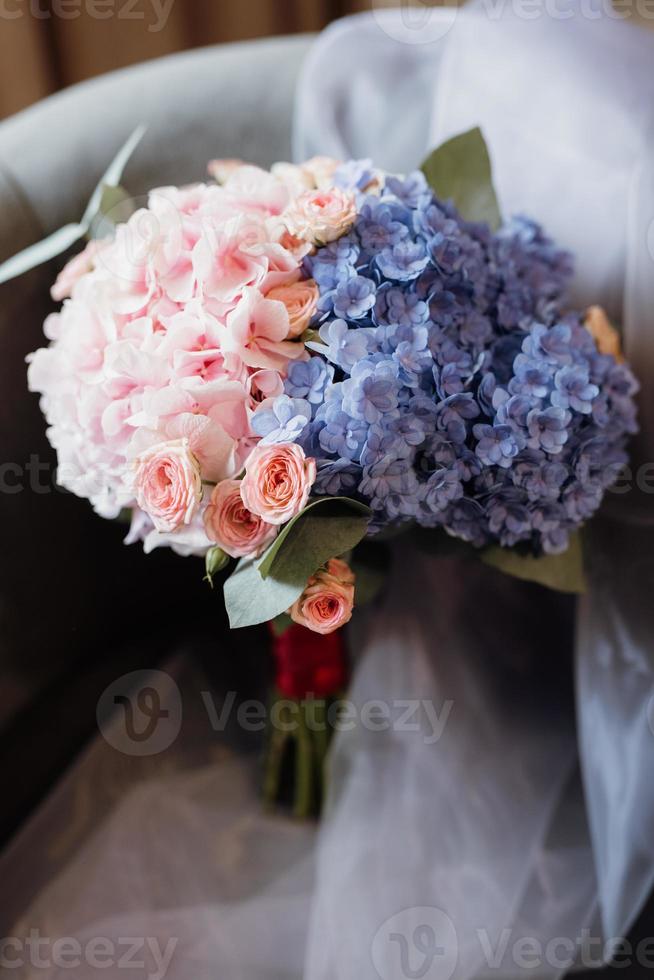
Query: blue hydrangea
(403, 262)
(342, 435)
(372, 389)
(413, 191)
(354, 298)
(355, 175)
(381, 224)
(308, 380)
(338, 477)
(399, 307)
(449, 386)
(548, 428)
(284, 421)
(343, 346)
(573, 389)
(497, 445)
(438, 492)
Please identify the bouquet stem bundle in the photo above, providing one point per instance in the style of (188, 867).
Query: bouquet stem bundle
(311, 673)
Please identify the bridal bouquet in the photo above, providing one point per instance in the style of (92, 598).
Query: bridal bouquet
(273, 368)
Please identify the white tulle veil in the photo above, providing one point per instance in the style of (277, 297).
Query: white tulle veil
(517, 838)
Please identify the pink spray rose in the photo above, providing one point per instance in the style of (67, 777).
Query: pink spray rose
(277, 481)
(327, 601)
(321, 170)
(296, 178)
(300, 299)
(232, 526)
(321, 216)
(78, 266)
(222, 170)
(168, 486)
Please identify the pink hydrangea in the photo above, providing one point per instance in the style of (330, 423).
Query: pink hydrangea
(172, 333)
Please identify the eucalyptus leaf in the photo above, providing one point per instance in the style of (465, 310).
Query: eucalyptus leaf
(251, 599)
(116, 206)
(112, 175)
(326, 527)
(61, 240)
(55, 244)
(460, 171)
(261, 590)
(563, 573)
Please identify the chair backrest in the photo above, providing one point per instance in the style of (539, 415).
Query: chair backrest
(68, 590)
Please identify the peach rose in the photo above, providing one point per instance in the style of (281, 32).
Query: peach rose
(167, 485)
(321, 216)
(301, 300)
(296, 246)
(603, 333)
(222, 170)
(232, 526)
(295, 178)
(277, 481)
(327, 602)
(340, 569)
(321, 170)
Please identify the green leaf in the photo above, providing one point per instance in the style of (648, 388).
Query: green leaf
(281, 623)
(326, 527)
(116, 206)
(460, 171)
(62, 239)
(260, 590)
(56, 243)
(250, 599)
(563, 573)
(215, 560)
(113, 173)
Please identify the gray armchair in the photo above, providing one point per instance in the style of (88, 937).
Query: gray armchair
(64, 573)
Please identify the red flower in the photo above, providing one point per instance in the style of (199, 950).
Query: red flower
(309, 663)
